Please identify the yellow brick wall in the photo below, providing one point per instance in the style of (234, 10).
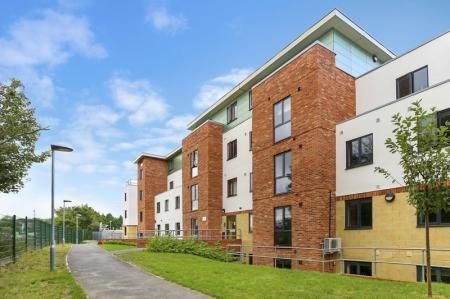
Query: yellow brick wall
(394, 225)
(131, 232)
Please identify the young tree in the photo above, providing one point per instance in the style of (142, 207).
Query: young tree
(424, 153)
(19, 132)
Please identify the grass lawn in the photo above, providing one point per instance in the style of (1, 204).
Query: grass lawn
(233, 280)
(30, 277)
(114, 247)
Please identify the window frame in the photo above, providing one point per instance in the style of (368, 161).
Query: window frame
(250, 178)
(283, 122)
(250, 141)
(193, 161)
(158, 207)
(283, 262)
(232, 149)
(141, 195)
(141, 216)
(230, 192)
(177, 228)
(359, 202)
(166, 205)
(125, 214)
(170, 165)
(437, 223)
(177, 202)
(437, 273)
(170, 185)
(125, 196)
(141, 173)
(439, 115)
(194, 186)
(358, 265)
(250, 223)
(411, 82)
(250, 100)
(348, 152)
(284, 172)
(232, 112)
(194, 230)
(276, 244)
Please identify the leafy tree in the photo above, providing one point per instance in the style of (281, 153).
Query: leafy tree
(19, 132)
(88, 219)
(424, 153)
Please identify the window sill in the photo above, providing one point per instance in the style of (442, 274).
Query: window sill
(281, 140)
(228, 196)
(358, 228)
(229, 122)
(359, 165)
(284, 193)
(284, 246)
(434, 225)
(231, 158)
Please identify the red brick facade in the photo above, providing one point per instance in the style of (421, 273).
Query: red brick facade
(153, 182)
(207, 139)
(321, 95)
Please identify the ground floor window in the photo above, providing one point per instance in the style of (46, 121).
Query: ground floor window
(194, 227)
(177, 228)
(167, 228)
(158, 228)
(250, 259)
(438, 274)
(283, 263)
(125, 230)
(358, 268)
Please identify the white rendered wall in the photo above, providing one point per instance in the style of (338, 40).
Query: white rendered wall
(130, 205)
(378, 87)
(378, 122)
(173, 215)
(239, 167)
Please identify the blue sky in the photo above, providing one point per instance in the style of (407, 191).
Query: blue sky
(113, 79)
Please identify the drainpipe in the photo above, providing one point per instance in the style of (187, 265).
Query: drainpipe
(329, 214)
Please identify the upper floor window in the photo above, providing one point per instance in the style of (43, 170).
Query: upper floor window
(170, 165)
(141, 194)
(232, 187)
(141, 217)
(360, 151)
(250, 223)
(232, 149)
(250, 140)
(250, 182)
(250, 100)
(177, 202)
(171, 185)
(194, 197)
(194, 163)
(282, 225)
(358, 213)
(441, 218)
(125, 196)
(140, 173)
(231, 112)
(283, 173)
(125, 214)
(282, 119)
(158, 207)
(443, 117)
(166, 205)
(412, 82)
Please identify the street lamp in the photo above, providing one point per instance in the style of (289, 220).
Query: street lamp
(64, 220)
(76, 236)
(54, 148)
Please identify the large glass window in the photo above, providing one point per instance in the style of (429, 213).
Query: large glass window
(282, 119)
(232, 187)
(358, 213)
(438, 274)
(194, 197)
(358, 268)
(232, 149)
(283, 231)
(360, 151)
(232, 112)
(283, 173)
(441, 218)
(412, 82)
(194, 163)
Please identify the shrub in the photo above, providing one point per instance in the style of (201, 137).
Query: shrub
(188, 246)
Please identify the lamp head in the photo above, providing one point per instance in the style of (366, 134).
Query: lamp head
(60, 148)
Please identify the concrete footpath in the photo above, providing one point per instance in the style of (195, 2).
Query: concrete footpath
(104, 276)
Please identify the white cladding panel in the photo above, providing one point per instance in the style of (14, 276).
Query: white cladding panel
(130, 205)
(378, 122)
(378, 87)
(173, 215)
(239, 167)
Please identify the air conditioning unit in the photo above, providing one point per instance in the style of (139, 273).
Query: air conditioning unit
(331, 245)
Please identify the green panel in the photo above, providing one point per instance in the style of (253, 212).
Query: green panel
(243, 113)
(176, 163)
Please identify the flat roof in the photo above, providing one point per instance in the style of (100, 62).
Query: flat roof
(167, 157)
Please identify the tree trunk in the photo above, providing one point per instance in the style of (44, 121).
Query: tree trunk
(427, 244)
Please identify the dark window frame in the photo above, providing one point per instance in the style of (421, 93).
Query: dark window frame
(439, 121)
(250, 222)
(282, 263)
(177, 228)
(358, 265)
(141, 194)
(438, 223)
(141, 216)
(250, 141)
(359, 202)
(232, 149)
(436, 273)
(194, 228)
(348, 152)
(141, 171)
(284, 172)
(283, 122)
(230, 188)
(250, 178)
(170, 165)
(194, 186)
(158, 207)
(125, 196)
(177, 202)
(166, 205)
(232, 112)
(275, 230)
(170, 185)
(125, 214)
(410, 76)
(250, 100)
(193, 161)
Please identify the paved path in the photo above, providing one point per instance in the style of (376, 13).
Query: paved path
(104, 276)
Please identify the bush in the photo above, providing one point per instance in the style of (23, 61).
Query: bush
(118, 242)
(188, 246)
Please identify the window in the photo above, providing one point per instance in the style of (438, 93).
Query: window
(125, 230)
(282, 119)
(360, 151)
(194, 227)
(158, 207)
(140, 173)
(125, 214)
(232, 112)
(194, 163)
(177, 228)
(125, 196)
(158, 229)
(232, 187)
(443, 117)
(171, 185)
(283, 233)
(177, 202)
(232, 149)
(167, 228)
(250, 100)
(141, 216)
(250, 223)
(166, 205)
(250, 178)
(170, 165)
(194, 197)
(441, 218)
(250, 140)
(141, 194)
(358, 268)
(438, 274)
(358, 213)
(283, 173)
(283, 263)
(412, 82)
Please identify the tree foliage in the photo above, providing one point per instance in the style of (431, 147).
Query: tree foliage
(19, 132)
(88, 219)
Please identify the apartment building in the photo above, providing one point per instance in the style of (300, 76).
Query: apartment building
(266, 164)
(371, 211)
(130, 210)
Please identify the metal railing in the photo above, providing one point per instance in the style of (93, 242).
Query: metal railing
(199, 234)
(18, 235)
(107, 235)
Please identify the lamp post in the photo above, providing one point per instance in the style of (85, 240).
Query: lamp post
(64, 220)
(54, 148)
(76, 236)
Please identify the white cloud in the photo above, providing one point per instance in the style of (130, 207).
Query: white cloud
(214, 89)
(142, 103)
(180, 122)
(96, 115)
(161, 19)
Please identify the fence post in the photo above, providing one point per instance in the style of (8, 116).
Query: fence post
(14, 238)
(40, 234)
(26, 233)
(34, 232)
(374, 262)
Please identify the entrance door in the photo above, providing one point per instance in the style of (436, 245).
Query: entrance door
(231, 227)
